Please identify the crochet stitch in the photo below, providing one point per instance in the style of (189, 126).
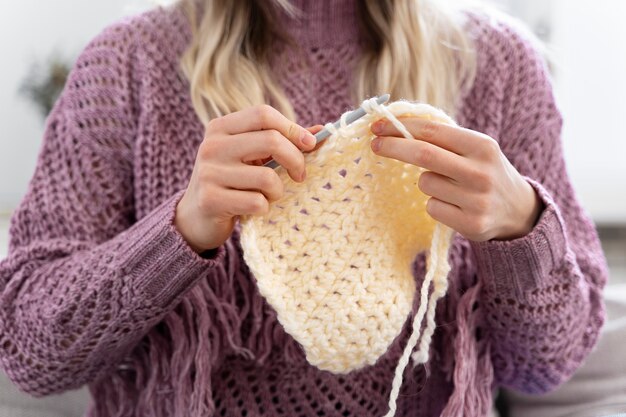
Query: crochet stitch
(333, 257)
(100, 289)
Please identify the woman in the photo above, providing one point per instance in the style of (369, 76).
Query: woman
(125, 271)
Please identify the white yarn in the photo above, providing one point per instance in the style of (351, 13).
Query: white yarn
(426, 305)
(329, 345)
(442, 233)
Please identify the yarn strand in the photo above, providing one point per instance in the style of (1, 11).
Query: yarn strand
(438, 266)
(437, 271)
(344, 307)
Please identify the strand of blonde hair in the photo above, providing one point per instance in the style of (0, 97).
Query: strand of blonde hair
(422, 35)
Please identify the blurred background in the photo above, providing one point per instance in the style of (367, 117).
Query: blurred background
(587, 51)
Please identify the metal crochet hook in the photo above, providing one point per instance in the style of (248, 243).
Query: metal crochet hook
(350, 118)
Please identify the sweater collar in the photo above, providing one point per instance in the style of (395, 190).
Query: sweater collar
(323, 23)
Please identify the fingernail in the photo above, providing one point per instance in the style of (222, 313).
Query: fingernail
(378, 127)
(377, 144)
(307, 139)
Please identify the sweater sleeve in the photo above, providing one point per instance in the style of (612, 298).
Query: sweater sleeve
(542, 294)
(84, 280)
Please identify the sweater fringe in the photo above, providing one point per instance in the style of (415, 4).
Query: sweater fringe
(222, 315)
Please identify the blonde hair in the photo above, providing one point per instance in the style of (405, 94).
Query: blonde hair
(422, 35)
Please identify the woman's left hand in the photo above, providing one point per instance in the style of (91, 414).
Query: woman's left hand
(474, 188)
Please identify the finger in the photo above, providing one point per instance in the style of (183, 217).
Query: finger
(442, 188)
(241, 203)
(446, 213)
(251, 146)
(263, 117)
(253, 178)
(452, 138)
(313, 130)
(422, 154)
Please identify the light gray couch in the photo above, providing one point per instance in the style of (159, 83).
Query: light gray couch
(599, 388)
(14, 403)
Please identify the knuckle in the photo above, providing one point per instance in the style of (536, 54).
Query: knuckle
(484, 181)
(280, 191)
(482, 205)
(480, 176)
(301, 160)
(491, 148)
(276, 191)
(264, 113)
(208, 148)
(267, 178)
(430, 129)
(274, 140)
(214, 125)
(299, 163)
(258, 205)
(424, 156)
(479, 225)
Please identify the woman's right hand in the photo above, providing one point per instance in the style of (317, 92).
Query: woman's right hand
(228, 179)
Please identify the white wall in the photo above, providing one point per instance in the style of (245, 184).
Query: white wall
(30, 30)
(590, 50)
(587, 37)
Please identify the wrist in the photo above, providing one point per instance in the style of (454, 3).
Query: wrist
(184, 230)
(525, 218)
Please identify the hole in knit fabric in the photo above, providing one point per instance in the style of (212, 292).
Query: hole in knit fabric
(343, 173)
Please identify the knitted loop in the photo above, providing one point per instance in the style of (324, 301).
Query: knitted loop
(331, 128)
(343, 122)
(333, 256)
(371, 106)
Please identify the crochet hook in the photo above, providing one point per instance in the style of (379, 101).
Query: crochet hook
(351, 117)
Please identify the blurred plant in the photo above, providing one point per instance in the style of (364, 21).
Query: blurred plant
(45, 81)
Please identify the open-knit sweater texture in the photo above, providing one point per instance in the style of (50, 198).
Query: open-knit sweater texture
(99, 288)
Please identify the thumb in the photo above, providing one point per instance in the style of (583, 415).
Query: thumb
(314, 129)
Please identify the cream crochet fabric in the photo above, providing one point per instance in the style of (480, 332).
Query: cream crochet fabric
(333, 256)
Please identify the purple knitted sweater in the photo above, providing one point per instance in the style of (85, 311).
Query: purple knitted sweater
(100, 289)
